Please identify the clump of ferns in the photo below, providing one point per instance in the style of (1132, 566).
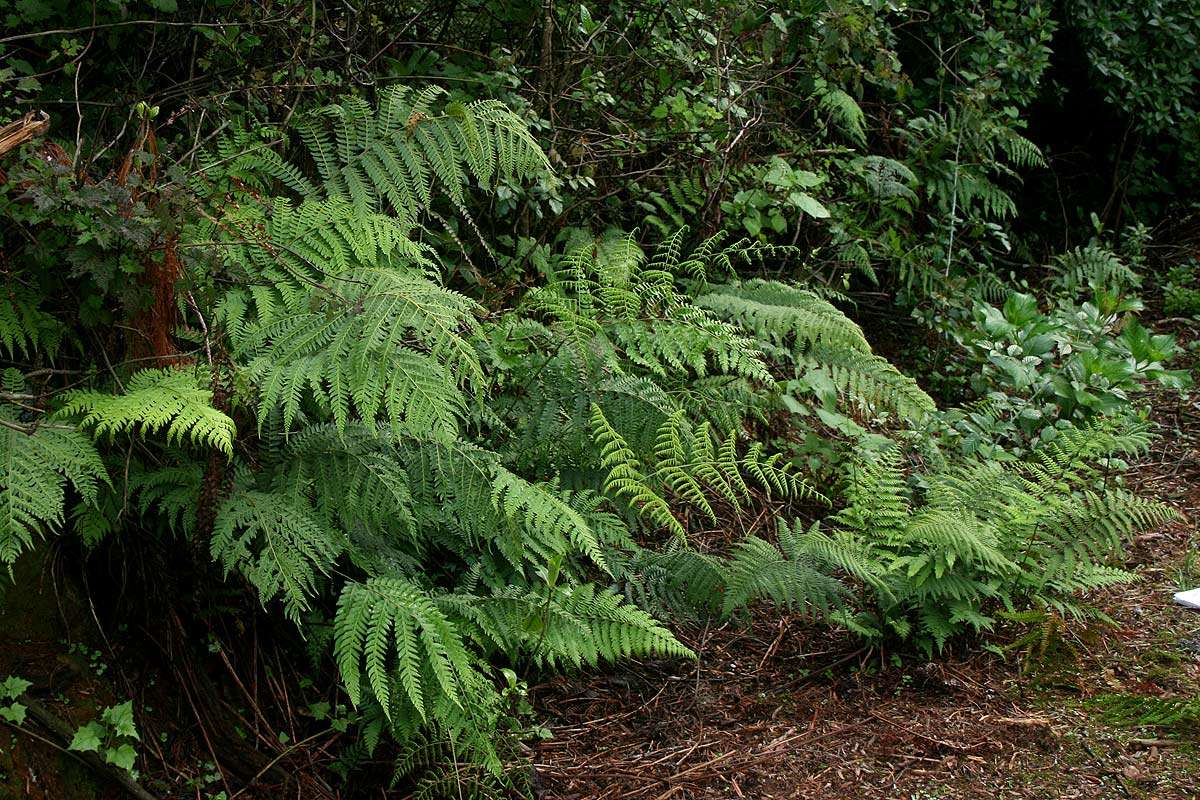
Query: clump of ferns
(1043, 639)
(430, 768)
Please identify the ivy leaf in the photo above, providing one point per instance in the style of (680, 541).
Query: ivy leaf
(87, 739)
(13, 687)
(14, 713)
(120, 719)
(122, 756)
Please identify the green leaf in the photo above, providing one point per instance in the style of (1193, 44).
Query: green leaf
(87, 739)
(14, 713)
(13, 687)
(808, 204)
(122, 756)
(120, 719)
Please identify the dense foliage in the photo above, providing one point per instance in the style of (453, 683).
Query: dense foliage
(477, 340)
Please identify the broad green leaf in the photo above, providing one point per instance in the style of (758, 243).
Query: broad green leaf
(120, 719)
(14, 713)
(13, 687)
(809, 205)
(122, 756)
(88, 738)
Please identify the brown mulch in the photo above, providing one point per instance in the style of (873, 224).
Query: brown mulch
(777, 707)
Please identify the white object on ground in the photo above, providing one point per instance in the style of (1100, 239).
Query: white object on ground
(1190, 598)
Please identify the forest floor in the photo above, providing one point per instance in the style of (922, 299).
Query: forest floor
(778, 709)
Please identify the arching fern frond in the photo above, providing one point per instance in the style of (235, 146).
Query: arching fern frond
(393, 632)
(1095, 268)
(155, 400)
(278, 541)
(781, 313)
(391, 344)
(398, 154)
(36, 466)
(577, 625)
(872, 381)
(785, 574)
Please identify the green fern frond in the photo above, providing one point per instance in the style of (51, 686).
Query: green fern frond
(278, 541)
(787, 575)
(1093, 267)
(391, 344)
(625, 478)
(36, 467)
(397, 155)
(578, 625)
(393, 632)
(781, 314)
(845, 111)
(1170, 713)
(155, 400)
(872, 381)
(25, 328)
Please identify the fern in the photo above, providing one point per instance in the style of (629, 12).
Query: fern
(625, 478)
(690, 466)
(782, 313)
(610, 298)
(389, 344)
(787, 574)
(888, 180)
(25, 328)
(416, 666)
(36, 466)
(1093, 268)
(395, 156)
(155, 400)
(394, 633)
(845, 111)
(815, 335)
(1168, 713)
(575, 626)
(278, 541)
(978, 535)
(871, 381)
(678, 580)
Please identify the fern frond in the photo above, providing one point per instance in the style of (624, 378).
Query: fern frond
(578, 625)
(278, 541)
(787, 575)
(1093, 267)
(781, 314)
(35, 470)
(155, 400)
(391, 344)
(401, 152)
(845, 111)
(872, 381)
(25, 328)
(625, 478)
(393, 632)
